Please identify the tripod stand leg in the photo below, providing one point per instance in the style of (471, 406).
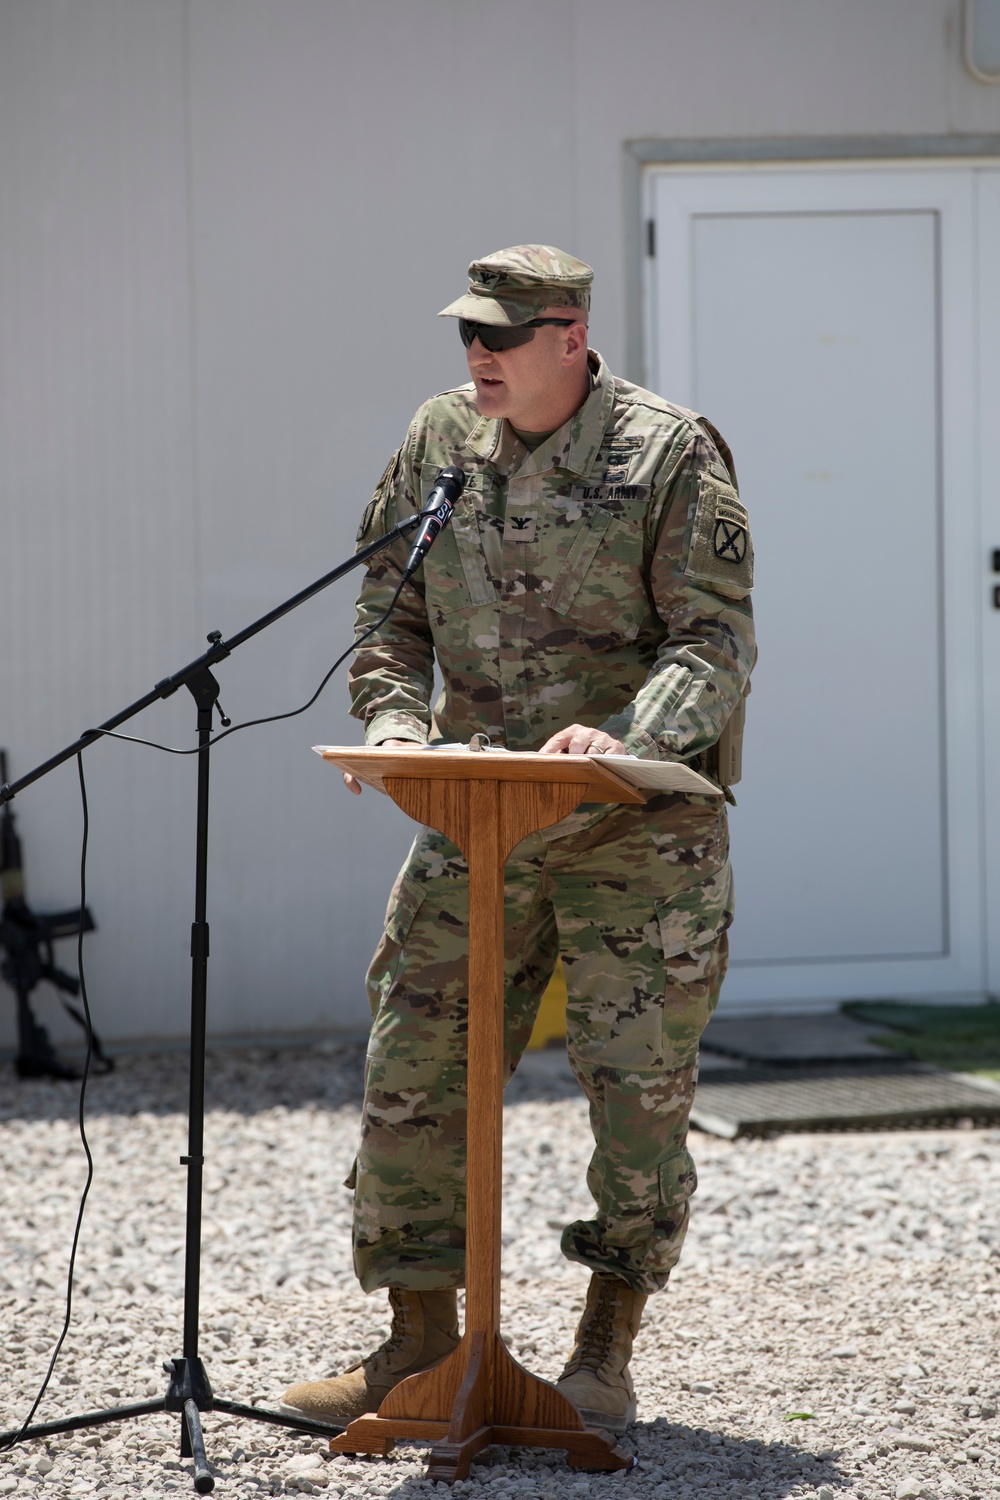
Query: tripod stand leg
(190, 1394)
(277, 1418)
(203, 1480)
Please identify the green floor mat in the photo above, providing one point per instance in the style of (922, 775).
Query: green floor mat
(962, 1038)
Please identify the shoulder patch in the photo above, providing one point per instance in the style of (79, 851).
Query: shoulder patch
(373, 521)
(721, 550)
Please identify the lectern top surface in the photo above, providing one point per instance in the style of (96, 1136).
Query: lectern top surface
(371, 764)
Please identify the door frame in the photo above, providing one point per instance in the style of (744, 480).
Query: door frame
(988, 355)
(977, 528)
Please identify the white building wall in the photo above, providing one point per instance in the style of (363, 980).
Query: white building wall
(225, 229)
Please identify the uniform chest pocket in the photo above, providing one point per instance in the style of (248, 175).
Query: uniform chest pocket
(600, 585)
(454, 571)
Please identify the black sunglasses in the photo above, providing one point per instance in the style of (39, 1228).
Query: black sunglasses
(495, 338)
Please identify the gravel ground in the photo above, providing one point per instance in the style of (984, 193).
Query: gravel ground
(831, 1332)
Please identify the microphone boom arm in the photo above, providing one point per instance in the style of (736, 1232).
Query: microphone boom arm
(217, 651)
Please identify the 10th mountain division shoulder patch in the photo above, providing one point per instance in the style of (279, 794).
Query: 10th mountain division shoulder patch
(721, 551)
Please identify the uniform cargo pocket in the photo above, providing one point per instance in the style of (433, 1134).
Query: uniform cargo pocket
(695, 917)
(404, 903)
(678, 1179)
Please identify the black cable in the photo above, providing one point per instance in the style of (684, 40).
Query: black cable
(13, 1441)
(293, 713)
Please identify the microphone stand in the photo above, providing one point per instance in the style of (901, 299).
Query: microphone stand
(189, 1390)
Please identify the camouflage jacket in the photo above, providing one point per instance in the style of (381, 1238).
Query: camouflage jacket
(602, 579)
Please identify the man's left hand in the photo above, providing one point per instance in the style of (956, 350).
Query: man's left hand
(577, 739)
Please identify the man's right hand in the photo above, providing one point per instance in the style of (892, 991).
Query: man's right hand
(354, 785)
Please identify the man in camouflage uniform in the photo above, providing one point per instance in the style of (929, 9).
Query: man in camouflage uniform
(590, 596)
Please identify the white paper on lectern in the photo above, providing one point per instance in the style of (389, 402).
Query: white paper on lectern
(651, 775)
(659, 775)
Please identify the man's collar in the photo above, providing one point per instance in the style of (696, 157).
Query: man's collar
(583, 434)
(573, 446)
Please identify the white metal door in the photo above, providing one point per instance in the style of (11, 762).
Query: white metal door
(825, 318)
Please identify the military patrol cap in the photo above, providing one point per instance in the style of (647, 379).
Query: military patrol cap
(513, 286)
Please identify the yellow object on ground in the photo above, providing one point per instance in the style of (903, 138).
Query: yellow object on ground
(550, 1023)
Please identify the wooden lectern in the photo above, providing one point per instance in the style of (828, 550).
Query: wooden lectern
(486, 802)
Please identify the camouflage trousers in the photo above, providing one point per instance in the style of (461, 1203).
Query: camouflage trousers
(637, 903)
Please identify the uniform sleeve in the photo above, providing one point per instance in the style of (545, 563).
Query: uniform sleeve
(391, 677)
(700, 575)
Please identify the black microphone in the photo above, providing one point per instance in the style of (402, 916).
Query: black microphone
(436, 514)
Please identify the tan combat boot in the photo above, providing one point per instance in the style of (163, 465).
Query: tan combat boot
(596, 1378)
(424, 1330)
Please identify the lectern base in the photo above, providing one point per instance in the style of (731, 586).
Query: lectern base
(486, 804)
(477, 1396)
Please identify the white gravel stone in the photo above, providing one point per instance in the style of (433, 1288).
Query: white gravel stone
(912, 1489)
(304, 1462)
(801, 1248)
